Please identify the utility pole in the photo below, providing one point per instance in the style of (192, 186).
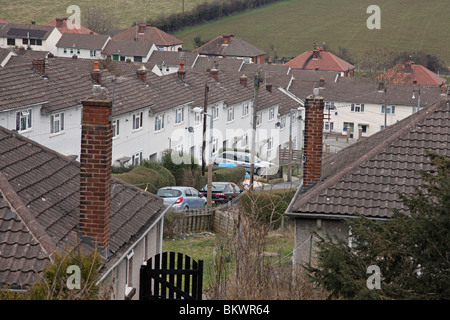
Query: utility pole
(205, 106)
(256, 81)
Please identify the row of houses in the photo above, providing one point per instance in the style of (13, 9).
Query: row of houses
(151, 113)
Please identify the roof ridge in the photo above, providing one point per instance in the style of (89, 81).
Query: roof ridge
(421, 115)
(33, 226)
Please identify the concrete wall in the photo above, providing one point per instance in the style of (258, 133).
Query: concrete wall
(304, 228)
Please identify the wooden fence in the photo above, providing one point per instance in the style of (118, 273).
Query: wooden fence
(219, 219)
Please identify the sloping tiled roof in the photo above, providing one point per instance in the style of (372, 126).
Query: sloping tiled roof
(362, 90)
(418, 73)
(151, 34)
(65, 28)
(127, 48)
(235, 48)
(82, 41)
(326, 61)
(42, 208)
(366, 176)
(20, 30)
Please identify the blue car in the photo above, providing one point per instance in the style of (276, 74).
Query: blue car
(182, 198)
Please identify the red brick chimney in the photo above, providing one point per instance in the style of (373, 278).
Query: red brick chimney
(316, 52)
(142, 73)
(243, 80)
(96, 74)
(214, 73)
(312, 168)
(95, 171)
(322, 82)
(408, 66)
(227, 37)
(59, 22)
(141, 28)
(181, 72)
(39, 65)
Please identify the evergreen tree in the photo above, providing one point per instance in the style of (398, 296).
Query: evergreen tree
(411, 249)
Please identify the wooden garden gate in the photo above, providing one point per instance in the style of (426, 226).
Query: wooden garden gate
(171, 276)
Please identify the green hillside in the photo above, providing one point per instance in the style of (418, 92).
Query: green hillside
(291, 27)
(126, 12)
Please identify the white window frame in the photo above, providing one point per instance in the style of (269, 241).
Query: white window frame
(137, 120)
(389, 109)
(357, 107)
(93, 53)
(136, 158)
(230, 114)
(215, 112)
(115, 128)
(57, 124)
(270, 144)
(24, 120)
(259, 118)
(198, 118)
(271, 113)
(283, 122)
(159, 122)
(179, 115)
(245, 109)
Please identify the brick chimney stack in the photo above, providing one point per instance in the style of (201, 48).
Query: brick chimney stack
(312, 168)
(142, 73)
(39, 66)
(96, 74)
(227, 37)
(95, 171)
(59, 22)
(269, 87)
(243, 80)
(408, 66)
(181, 71)
(214, 73)
(322, 82)
(316, 53)
(141, 28)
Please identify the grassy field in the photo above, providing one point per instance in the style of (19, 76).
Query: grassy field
(287, 28)
(126, 11)
(291, 27)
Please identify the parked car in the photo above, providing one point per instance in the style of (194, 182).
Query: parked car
(182, 198)
(222, 192)
(244, 159)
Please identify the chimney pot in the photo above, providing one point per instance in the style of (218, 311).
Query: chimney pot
(181, 72)
(95, 175)
(96, 74)
(314, 106)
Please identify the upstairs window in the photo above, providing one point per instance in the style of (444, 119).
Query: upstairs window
(137, 120)
(179, 115)
(115, 128)
(357, 107)
(56, 123)
(271, 113)
(23, 120)
(388, 110)
(245, 109)
(11, 42)
(159, 122)
(258, 118)
(230, 114)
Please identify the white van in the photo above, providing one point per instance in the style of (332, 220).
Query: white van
(243, 159)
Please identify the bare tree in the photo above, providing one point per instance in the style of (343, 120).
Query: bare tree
(100, 21)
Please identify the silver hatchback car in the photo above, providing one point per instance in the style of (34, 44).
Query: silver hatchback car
(182, 198)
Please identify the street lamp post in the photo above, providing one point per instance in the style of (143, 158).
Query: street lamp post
(211, 123)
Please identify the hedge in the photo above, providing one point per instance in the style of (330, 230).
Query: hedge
(148, 178)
